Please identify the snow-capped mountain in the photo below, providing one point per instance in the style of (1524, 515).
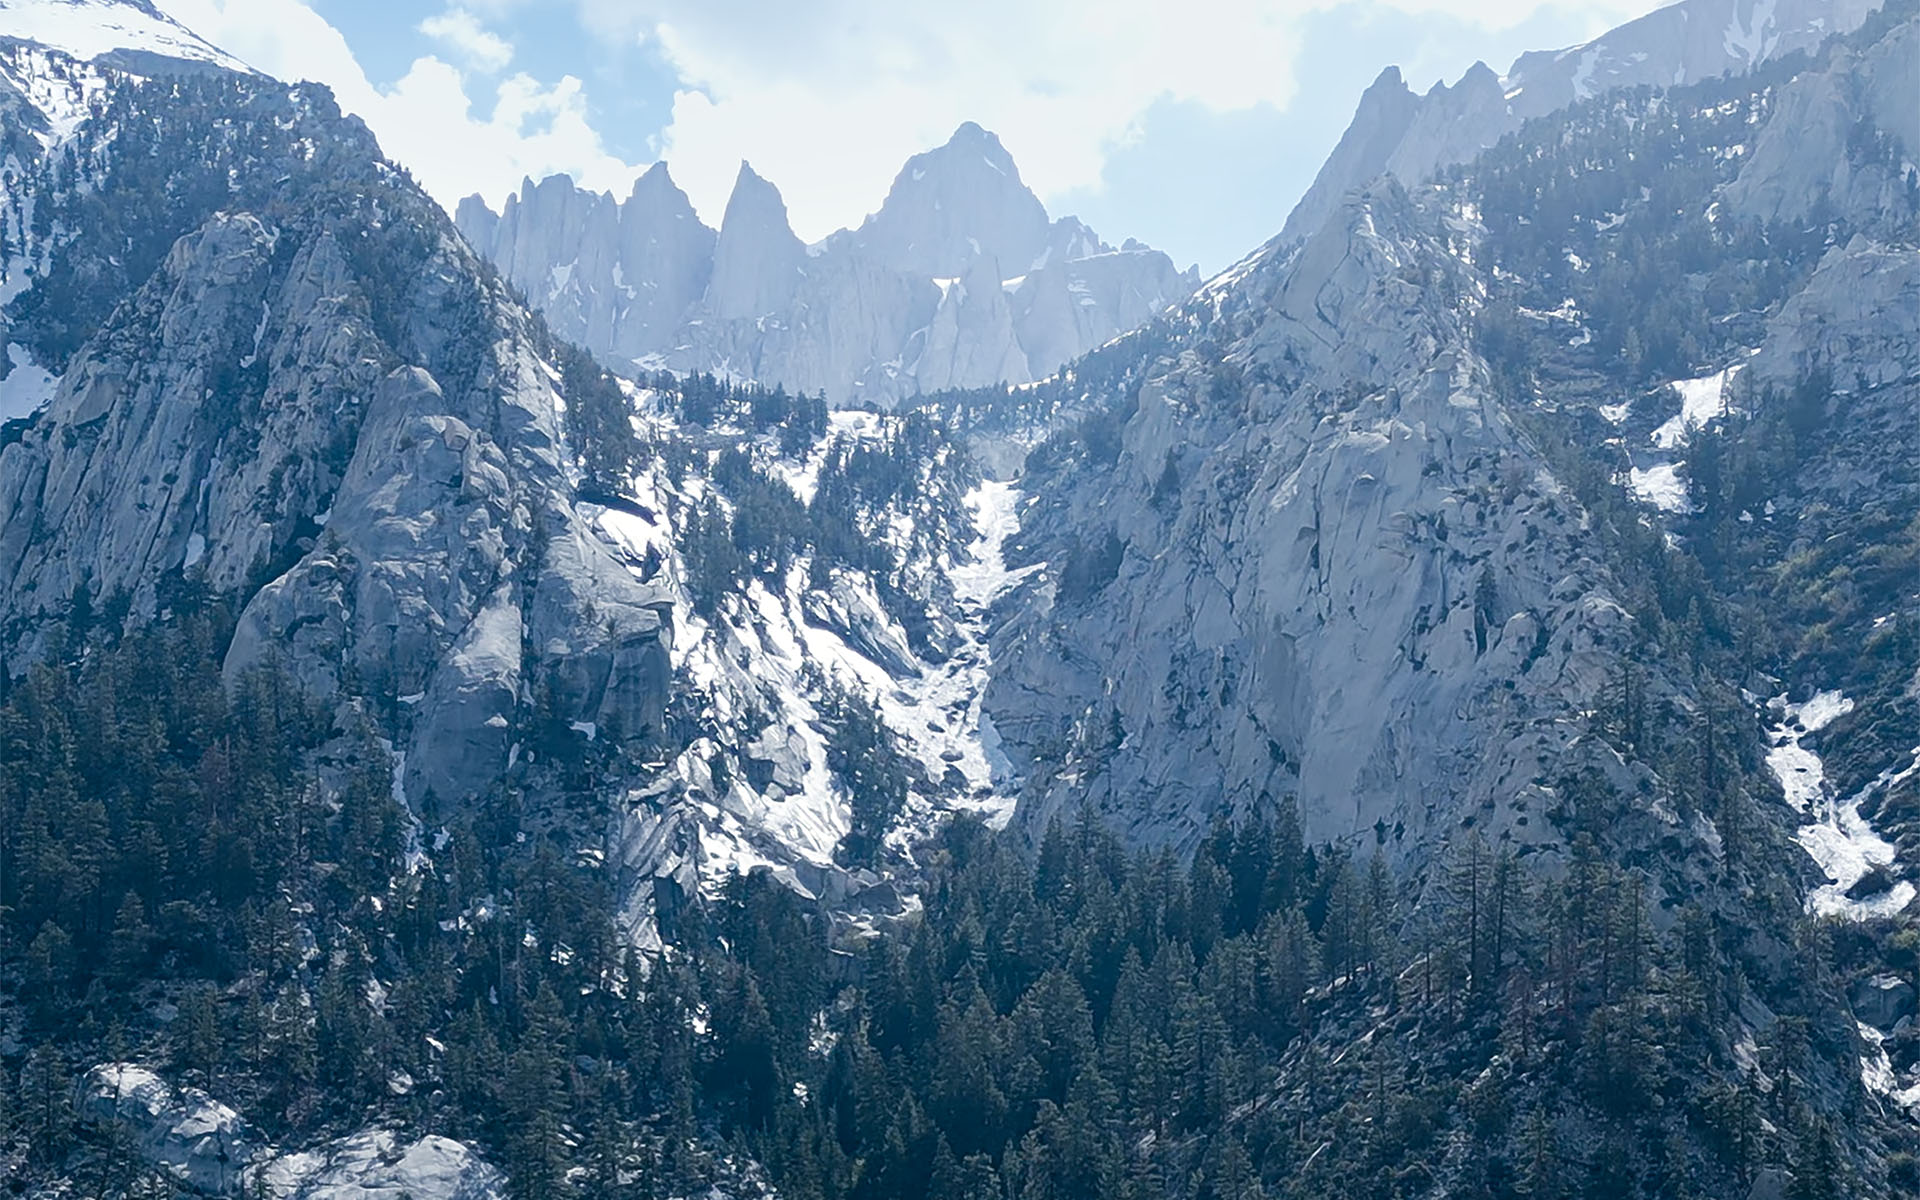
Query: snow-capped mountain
(959, 280)
(1414, 137)
(58, 61)
(130, 35)
(562, 755)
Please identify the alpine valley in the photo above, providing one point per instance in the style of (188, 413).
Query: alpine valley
(567, 702)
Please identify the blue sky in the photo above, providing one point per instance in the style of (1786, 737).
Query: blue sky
(1193, 127)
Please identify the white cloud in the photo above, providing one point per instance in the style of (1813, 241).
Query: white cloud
(828, 98)
(479, 47)
(426, 121)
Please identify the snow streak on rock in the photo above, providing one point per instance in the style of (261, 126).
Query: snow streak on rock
(758, 671)
(1877, 1073)
(27, 386)
(1838, 837)
(1701, 400)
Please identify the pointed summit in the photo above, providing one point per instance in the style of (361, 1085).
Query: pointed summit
(952, 205)
(757, 260)
(665, 259)
(654, 180)
(657, 200)
(970, 138)
(1379, 126)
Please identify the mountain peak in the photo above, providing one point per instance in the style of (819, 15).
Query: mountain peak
(757, 258)
(755, 203)
(958, 202)
(655, 179)
(122, 33)
(971, 138)
(1390, 80)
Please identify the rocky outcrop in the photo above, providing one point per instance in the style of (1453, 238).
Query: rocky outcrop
(1378, 128)
(1858, 318)
(1414, 137)
(204, 1145)
(366, 451)
(202, 427)
(1316, 560)
(380, 1164)
(211, 1151)
(1882, 1001)
(1811, 156)
(911, 301)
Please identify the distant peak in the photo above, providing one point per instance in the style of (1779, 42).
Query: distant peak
(473, 208)
(1389, 79)
(1479, 75)
(754, 200)
(654, 179)
(971, 138)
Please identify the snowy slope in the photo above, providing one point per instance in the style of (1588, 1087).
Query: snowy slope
(58, 60)
(92, 29)
(1852, 854)
(757, 674)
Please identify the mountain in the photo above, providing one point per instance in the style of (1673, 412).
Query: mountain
(959, 280)
(1431, 712)
(127, 35)
(1414, 137)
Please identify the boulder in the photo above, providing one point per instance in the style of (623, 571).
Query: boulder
(379, 1164)
(1882, 1000)
(200, 1142)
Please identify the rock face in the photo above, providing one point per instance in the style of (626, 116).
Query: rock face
(1859, 316)
(1314, 561)
(959, 280)
(202, 1143)
(381, 1165)
(1801, 164)
(1882, 1001)
(1414, 137)
(336, 417)
(210, 1150)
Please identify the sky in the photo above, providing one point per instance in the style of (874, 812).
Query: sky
(1191, 126)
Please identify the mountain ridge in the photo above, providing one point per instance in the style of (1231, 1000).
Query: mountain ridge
(1412, 137)
(869, 315)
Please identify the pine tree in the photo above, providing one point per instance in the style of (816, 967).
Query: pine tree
(130, 944)
(201, 1048)
(535, 1100)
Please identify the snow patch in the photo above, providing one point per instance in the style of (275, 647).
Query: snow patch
(27, 387)
(1701, 400)
(1876, 1070)
(1752, 41)
(88, 30)
(1661, 486)
(1583, 73)
(414, 854)
(1838, 838)
(259, 335)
